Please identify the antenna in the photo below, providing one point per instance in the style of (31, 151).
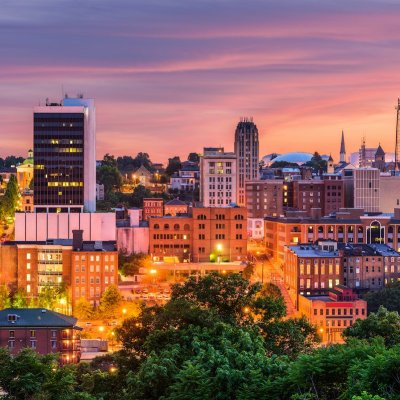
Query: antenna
(397, 149)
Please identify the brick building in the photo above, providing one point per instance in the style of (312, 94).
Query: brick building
(86, 270)
(312, 270)
(369, 267)
(264, 198)
(347, 226)
(42, 330)
(175, 207)
(333, 313)
(216, 233)
(152, 207)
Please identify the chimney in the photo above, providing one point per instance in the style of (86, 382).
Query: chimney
(77, 239)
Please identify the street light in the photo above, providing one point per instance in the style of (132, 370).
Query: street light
(219, 249)
(124, 311)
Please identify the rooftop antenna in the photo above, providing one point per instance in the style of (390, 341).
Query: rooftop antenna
(397, 149)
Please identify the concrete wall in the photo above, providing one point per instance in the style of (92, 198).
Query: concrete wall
(45, 226)
(133, 239)
(389, 193)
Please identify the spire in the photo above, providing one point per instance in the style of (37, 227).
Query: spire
(342, 149)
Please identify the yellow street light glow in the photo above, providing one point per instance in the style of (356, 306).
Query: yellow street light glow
(101, 328)
(219, 246)
(321, 330)
(153, 271)
(124, 311)
(113, 369)
(63, 301)
(246, 310)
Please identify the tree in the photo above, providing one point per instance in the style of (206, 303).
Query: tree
(194, 157)
(388, 297)
(283, 164)
(28, 375)
(384, 323)
(317, 163)
(19, 299)
(139, 194)
(83, 309)
(109, 176)
(110, 301)
(4, 297)
(174, 165)
(129, 265)
(109, 161)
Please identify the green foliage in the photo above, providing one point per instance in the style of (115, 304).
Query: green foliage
(110, 177)
(110, 301)
(31, 376)
(366, 396)
(83, 309)
(127, 164)
(384, 323)
(388, 297)
(50, 296)
(129, 265)
(194, 157)
(284, 164)
(317, 163)
(19, 299)
(174, 165)
(5, 300)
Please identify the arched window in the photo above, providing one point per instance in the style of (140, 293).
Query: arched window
(340, 229)
(201, 216)
(186, 227)
(330, 229)
(166, 227)
(350, 229)
(375, 232)
(310, 229)
(176, 227)
(320, 229)
(156, 226)
(239, 217)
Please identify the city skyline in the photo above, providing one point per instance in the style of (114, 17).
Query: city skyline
(165, 71)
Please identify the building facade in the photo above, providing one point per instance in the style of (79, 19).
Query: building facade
(218, 178)
(64, 137)
(42, 330)
(366, 189)
(153, 207)
(247, 153)
(333, 313)
(212, 233)
(264, 198)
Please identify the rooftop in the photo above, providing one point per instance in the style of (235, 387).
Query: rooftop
(36, 317)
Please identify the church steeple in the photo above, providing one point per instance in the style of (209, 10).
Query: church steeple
(342, 149)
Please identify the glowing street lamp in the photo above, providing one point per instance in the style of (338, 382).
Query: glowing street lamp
(219, 249)
(124, 311)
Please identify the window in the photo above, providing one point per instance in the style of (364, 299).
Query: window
(33, 334)
(28, 256)
(53, 334)
(28, 265)
(54, 344)
(28, 277)
(11, 334)
(33, 344)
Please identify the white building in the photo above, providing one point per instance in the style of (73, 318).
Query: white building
(133, 237)
(41, 227)
(218, 182)
(255, 228)
(187, 178)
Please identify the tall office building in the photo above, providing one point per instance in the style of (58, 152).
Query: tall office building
(217, 177)
(247, 153)
(65, 156)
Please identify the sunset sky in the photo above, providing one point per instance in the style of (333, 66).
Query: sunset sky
(170, 77)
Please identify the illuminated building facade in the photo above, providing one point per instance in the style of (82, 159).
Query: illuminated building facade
(65, 148)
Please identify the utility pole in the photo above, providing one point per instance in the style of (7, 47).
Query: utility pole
(397, 150)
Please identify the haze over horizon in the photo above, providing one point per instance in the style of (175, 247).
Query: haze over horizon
(168, 73)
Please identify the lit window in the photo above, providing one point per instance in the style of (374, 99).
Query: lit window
(28, 265)
(28, 277)
(28, 288)
(28, 256)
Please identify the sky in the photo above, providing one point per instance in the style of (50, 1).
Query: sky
(170, 77)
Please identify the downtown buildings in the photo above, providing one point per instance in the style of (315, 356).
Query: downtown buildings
(64, 243)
